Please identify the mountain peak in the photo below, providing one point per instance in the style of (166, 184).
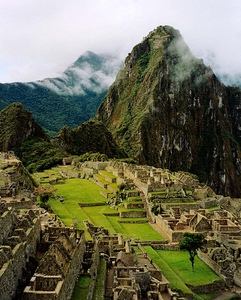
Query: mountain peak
(167, 109)
(17, 125)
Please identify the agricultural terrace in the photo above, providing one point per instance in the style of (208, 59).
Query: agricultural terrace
(76, 191)
(176, 267)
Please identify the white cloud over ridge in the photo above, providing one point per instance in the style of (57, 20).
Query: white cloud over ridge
(82, 76)
(42, 38)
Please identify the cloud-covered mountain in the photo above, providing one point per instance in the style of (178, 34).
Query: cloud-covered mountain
(70, 99)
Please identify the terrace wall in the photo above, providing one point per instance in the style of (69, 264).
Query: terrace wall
(132, 214)
(216, 286)
(212, 264)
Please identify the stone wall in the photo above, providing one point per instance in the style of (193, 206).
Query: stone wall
(212, 264)
(23, 243)
(207, 203)
(6, 225)
(93, 271)
(11, 272)
(132, 214)
(98, 165)
(237, 278)
(216, 286)
(33, 238)
(73, 271)
(169, 247)
(133, 222)
(67, 263)
(184, 206)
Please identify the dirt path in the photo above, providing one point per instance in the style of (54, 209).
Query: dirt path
(109, 282)
(225, 295)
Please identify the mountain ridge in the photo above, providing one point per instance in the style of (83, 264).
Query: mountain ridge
(70, 99)
(167, 109)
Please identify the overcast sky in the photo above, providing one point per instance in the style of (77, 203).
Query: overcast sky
(40, 39)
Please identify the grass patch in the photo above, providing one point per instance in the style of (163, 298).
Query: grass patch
(176, 282)
(181, 265)
(108, 174)
(76, 191)
(213, 208)
(134, 198)
(80, 190)
(81, 288)
(136, 231)
(208, 296)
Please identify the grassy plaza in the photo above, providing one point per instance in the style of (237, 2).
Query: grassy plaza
(76, 191)
(175, 265)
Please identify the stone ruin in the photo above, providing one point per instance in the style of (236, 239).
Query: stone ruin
(19, 237)
(164, 189)
(127, 277)
(60, 266)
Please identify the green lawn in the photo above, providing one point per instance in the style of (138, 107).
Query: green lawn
(80, 190)
(181, 265)
(175, 281)
(176, 267)
(108, 174)
(81, 288)
(76, 191)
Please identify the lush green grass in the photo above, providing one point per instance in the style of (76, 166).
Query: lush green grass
(142, 232)
(76, 191)
(181, 265)
(80, 190)
(213, 208)
(176, 282)
(81, 288)
(134, 198)
(108, 174)
(208, 296)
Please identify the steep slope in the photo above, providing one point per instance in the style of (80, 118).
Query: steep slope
(22, 134)
(166, 108)
(70, 99)
(91, 136)
(17, 126)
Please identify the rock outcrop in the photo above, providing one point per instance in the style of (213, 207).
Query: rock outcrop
(17, 126)
(167, 109)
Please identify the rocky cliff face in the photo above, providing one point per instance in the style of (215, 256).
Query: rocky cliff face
(167, 109)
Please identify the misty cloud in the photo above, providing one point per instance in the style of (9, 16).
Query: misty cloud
(39, 39)
(76, 80)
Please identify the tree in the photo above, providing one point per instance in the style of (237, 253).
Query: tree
(44, 192)
(192, 242)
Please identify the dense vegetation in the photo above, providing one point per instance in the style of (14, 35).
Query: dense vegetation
(70, 99)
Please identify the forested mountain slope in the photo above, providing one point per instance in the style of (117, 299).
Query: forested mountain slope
(167, 109)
